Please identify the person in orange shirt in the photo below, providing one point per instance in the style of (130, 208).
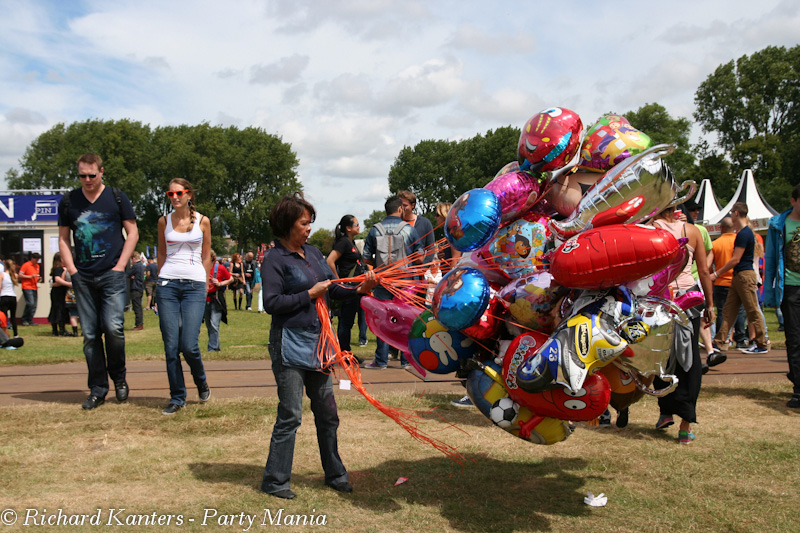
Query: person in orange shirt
(29, 276)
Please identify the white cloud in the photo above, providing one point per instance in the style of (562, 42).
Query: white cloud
(286, 69)
(468, 36)
(350, 83)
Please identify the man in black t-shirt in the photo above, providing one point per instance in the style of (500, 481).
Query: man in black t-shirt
(744, 284)
(95, 215)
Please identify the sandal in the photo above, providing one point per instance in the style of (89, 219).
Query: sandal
(664, 421)
(685, 437)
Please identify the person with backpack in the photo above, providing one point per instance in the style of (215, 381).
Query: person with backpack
(95, 216)
(389, 241)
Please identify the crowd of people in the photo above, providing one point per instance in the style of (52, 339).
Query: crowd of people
(185, 286)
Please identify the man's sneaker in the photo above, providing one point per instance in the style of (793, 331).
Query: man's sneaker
(375, 366)
(249, 308)
(794, 403)
(121, 390)
(362, 344)
(756, 350)
(403, 366)
(463, 402)
(780, 327)
(92, 402)
(204, 392)
(743, 345)
(171, 409)
(716, 358)
(604, 420)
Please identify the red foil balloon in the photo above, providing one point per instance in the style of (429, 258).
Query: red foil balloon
(587, 403)
(549, 140)
(610, 256)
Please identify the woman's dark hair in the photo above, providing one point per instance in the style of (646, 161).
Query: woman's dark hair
(56, 264)
(341, 228)
(287, 211)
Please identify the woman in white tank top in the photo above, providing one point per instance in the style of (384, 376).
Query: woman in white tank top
(184, 263)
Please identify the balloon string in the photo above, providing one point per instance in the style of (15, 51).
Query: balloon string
(333, 358)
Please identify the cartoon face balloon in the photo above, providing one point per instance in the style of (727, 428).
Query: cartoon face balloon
(461, 298)
(436, 348)
(549, 140)
(611, 140)
(518, 248)
(472, 220)
(533, 300)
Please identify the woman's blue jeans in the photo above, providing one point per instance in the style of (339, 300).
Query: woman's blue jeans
(181, 305)
(319, 389)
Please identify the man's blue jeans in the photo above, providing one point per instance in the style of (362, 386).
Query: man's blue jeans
(31, 301)
(101, 306)
(291, 382)
(248, 293)
(181, 306)
(213, 317)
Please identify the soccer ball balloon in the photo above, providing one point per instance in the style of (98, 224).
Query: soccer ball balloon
(504, 412)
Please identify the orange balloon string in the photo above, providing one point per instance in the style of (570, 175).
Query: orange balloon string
(334, 359)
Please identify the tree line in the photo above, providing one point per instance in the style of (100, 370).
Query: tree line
(239, 174)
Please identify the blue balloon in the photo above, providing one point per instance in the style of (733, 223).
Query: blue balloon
(473, 220)
(461, 298)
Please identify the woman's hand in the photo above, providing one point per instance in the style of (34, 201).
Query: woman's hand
(368, 284)
(319, 289)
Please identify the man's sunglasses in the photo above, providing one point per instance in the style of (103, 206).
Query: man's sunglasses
(87, 175)
(177, 193)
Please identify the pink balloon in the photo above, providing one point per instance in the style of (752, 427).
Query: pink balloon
(517, 192)
(390, 320)
(690, 299)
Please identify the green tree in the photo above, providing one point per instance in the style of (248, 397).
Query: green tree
(751, 105)
(366, 225)
(441, 171)
(322, 239)
(239, 174)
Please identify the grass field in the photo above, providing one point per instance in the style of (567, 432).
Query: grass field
(206, 463)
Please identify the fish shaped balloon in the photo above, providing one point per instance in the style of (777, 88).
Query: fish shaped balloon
(631, 192)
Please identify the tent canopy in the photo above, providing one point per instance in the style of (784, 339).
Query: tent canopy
(759, 210)
(707, 201)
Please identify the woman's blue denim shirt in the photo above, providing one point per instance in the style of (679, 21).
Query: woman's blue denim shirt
(285, 280)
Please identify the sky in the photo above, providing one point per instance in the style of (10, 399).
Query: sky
(350, 83)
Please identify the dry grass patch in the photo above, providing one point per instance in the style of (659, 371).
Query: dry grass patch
(740, 474)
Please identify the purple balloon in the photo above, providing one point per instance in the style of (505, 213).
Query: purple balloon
(517, 192)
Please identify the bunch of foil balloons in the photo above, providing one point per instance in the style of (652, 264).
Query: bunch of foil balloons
(559, 305)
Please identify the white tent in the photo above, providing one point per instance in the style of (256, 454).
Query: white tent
(709, 206)
(759, 210)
